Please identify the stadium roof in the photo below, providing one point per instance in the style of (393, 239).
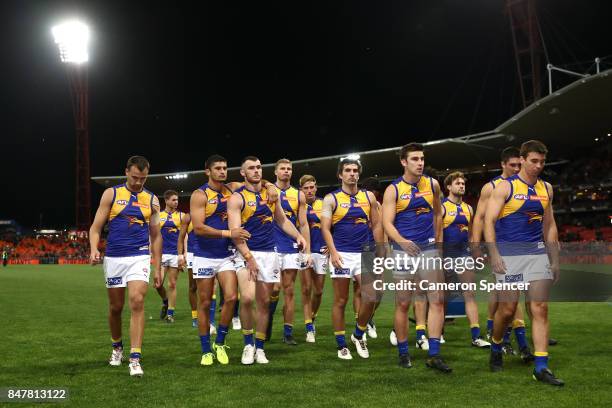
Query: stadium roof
(566, 120)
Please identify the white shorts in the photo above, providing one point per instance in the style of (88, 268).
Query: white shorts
(269, 269)
(525, 268)
(169, 261)
(206, 268)
(320, 263)
(189, 260)
(289, 261)
(118, 271)
(351, 262)
(425, 266)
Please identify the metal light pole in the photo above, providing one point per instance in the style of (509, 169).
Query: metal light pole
(72, 38)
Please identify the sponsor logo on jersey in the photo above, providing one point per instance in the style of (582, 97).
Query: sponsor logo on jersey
(212, 201)
(422, 194)
(405, 196)
(523, 197)
(538, 198)
(121, 202)
(345, 205)
(360, 205)
(137, 204)
(251, 203)
(533, 216)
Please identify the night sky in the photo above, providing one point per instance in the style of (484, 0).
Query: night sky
(177, 83)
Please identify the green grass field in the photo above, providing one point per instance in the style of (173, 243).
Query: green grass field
(54, 325)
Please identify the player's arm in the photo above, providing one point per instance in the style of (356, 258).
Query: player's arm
(376, 222)
(303, 220)
(288, 227)
(234, 220)
(494, 206)
(182, 240)
(269, 186)
(100, 219)
(478, 223)
(329, 205)
(197, 208)
(551, 235)
(156, 241)
(437, 210)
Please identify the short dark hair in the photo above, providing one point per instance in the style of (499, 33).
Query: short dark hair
(509, 153)
(452, 177)
(215, 158)
(371, 184)
(410, 147)
(252, 158)
(533, 146)
(140, 162)
(169, 193)
(345, 162)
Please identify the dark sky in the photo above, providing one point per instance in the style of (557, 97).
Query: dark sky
(300, 79)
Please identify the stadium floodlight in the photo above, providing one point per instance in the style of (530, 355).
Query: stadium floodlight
(351, 157)
(72, 38)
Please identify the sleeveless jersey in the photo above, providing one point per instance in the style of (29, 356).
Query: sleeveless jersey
(289, 201)
(216, 217)
(313, 215)
(414, 210)
(170, 224)
(456, 222)
(191, 238)
(350, 221)
(257, 218)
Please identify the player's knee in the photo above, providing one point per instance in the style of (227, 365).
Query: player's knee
(468, 296)
(193, 287)
(318, 292)
(230, 298)
(137, 301)
(507, 311)
(204, 304)
(402, 305)
(288, 292)
(539, 309)
(172, 284)
(341, 301)
(116, 308)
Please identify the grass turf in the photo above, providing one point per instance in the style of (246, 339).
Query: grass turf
(54, 321)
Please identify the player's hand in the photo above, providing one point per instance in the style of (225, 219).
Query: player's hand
(325, 250)
(498, 265)
(253, 269)
(336, 260)
(410, 248)
(308, 262)
(94, 257)
(240, 233)
(556, 272)
(157, 278)
(301, 242)
(380, 250)
(181, 261)
(272, 193)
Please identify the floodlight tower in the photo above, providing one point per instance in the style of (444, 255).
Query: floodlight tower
(72, 38)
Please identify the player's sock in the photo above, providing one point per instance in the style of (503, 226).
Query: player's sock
(434, 346)
(496, 345)
(402, 347)
(260, 338)
(248, 336)
(541, 360)
(213, 309)
(288, 329)
(420, 331)
(340, 339)
(117, 343)
(165, 302)
(135, 353)
(194, 314)
(221, 333)
(359, 330)
(236, 308)
(171, 312)
(490, 324)
(519, 332)
(273, 304)
(309, 326)
(475, 329)
(507, 334)
(205, 341)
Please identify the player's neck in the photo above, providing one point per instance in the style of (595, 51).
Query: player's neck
(256, 187)
(454, 198)
(504, 175)
(282, 184)
(411, 178)
(215, 185)
(529, 180)
(310, 200)
(351, 189)
(133, 189)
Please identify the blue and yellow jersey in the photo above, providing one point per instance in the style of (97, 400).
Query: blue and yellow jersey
(350, 221)
(313, 214)
(170, 224)
(128, 222)
(191, 238)
(496, 180)
(521, 219)
(414, 217)
(289, 199)
(456, 221)
(216, 217)
(257, 217)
